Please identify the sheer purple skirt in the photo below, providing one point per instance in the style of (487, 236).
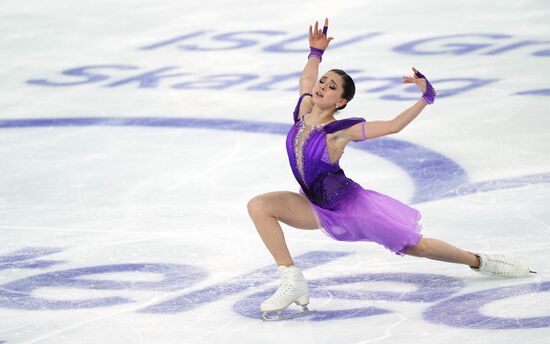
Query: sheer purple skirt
(366, 215)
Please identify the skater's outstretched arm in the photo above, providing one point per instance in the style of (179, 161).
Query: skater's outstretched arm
(381, 128)
(318, 42)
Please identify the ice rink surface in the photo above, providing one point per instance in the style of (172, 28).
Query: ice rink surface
(133, 134)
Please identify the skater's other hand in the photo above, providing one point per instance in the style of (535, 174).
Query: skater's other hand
(318, 39)
(413, 79)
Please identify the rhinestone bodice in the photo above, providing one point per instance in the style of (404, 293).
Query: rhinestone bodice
(300, 139)
(322, 180)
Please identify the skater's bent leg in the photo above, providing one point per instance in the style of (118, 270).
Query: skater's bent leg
(268, 209)
(440, 250)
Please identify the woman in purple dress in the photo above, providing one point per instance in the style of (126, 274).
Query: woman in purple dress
(330, 201)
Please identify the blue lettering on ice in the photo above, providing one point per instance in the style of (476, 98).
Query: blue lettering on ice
(454, 45)
(450, 46)
(154, 79)
(268, 85)
(236, 39)
(173, 40)
(468, 84)
(19, 294)
(487, 44)
(280, 47)
(216, 82)
(387, 83)
(512, 47)
(245, 39)
(464, 84)
(81, 72)
(148, 79)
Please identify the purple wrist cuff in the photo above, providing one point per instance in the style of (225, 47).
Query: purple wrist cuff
(429, 94)
(317, 53)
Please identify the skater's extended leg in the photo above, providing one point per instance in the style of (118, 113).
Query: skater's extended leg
(492, 265)
(440, 250)
(268, 209)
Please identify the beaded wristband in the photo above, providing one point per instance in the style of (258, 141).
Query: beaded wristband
(429, 94)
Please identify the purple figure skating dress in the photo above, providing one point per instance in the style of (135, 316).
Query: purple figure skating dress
(345, 211)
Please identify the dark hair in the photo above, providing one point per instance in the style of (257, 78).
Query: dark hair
(348, 86)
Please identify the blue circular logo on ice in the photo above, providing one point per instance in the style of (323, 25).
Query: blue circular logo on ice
(19, 294)
(434, 175)
(427, 288)
(465, 310)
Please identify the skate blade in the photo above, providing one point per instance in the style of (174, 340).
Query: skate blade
(279, 315)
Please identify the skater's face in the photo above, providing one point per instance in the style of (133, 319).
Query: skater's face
(328, 91)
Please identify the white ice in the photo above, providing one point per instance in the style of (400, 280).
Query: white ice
(89, 198)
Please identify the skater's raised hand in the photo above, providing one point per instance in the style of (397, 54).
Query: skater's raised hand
(318, 37)
(428, 92)
(414, 79)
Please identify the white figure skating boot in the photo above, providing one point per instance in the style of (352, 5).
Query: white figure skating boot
(501, 266)
(293, 289)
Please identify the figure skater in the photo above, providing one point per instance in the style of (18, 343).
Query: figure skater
(334, 203)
